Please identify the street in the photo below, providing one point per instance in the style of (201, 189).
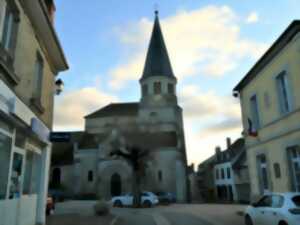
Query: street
(81, 212)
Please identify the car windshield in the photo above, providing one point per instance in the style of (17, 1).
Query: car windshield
(296, 200)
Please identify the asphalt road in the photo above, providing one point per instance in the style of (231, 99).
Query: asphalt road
(155, 216)
(81, 213)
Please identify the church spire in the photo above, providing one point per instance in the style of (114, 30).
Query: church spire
(157, 60)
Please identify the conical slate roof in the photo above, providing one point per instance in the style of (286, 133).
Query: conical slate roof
(157, 60)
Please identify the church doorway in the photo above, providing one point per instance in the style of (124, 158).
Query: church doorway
(115, 185)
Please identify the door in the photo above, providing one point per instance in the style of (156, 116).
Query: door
(17, 174)
(261, 210)
(273, 213)
(115, 185)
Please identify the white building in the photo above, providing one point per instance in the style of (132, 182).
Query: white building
(231, 177)
(30, 58)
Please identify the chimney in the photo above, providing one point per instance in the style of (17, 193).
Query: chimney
(218, 152)
(51, 9)
(228, 141)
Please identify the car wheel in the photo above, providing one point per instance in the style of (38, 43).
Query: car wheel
(248, 220)
(147, 204)
(118, 203)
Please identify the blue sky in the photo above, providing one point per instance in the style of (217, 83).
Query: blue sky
(212, 44)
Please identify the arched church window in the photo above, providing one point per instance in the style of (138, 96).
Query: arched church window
(157, 88)
(160, 175)
(90, 176)
(145, 89)
(170, 88)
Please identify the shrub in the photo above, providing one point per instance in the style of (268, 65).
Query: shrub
(101, 208)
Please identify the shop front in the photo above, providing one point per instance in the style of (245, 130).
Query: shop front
(24, 163)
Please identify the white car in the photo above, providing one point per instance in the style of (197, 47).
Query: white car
(274, 209)
(148, 199)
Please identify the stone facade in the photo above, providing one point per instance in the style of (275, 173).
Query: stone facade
(154, 126)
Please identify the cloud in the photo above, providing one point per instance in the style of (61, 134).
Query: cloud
(209, 119)
(207, 105)
(205, 41)
(252, 18)
(229, 124)
(74, 105)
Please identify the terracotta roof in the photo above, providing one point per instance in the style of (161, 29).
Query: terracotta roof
(116, 109)
(272, 52)
(157, 60)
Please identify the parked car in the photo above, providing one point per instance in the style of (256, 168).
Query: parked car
(165, 197)
(50, 205)
(148, 199)
(274, 209)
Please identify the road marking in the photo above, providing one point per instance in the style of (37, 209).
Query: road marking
(159, 219)
(114, 221)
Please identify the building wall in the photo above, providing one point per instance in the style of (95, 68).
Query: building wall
(277, 130)
(27, 46)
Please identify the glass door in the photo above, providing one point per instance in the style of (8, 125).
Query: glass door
(17, 174)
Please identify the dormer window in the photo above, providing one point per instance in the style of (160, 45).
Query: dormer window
(157, 88)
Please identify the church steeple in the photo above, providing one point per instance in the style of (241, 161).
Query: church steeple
(157, 60)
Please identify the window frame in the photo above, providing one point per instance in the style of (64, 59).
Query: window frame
(157, 87)
(283, 93)
(11, 136)
(254, 111)
(90, 176)
(8, 48)
(171, 89)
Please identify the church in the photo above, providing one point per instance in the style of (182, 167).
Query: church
(84, 166)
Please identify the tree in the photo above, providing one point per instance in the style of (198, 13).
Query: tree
(134, 156)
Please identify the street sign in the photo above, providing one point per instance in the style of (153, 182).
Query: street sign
(60, 137)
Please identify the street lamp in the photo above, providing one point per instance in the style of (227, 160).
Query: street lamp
(59, 86)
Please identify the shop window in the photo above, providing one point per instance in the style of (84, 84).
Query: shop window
(31, 173)
(16, 179)
(5, 152)
(90, 176)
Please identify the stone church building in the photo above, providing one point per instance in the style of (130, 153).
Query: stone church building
(154, 125)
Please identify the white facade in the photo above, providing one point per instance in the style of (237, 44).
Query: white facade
(224, 182)
(24, 170)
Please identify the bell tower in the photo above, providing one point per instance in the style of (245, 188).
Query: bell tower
(158, 83)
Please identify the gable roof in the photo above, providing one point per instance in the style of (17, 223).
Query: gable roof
(116, 109)
(157, 60)
(278, 45)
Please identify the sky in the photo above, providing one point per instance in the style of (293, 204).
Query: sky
(211, 44)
